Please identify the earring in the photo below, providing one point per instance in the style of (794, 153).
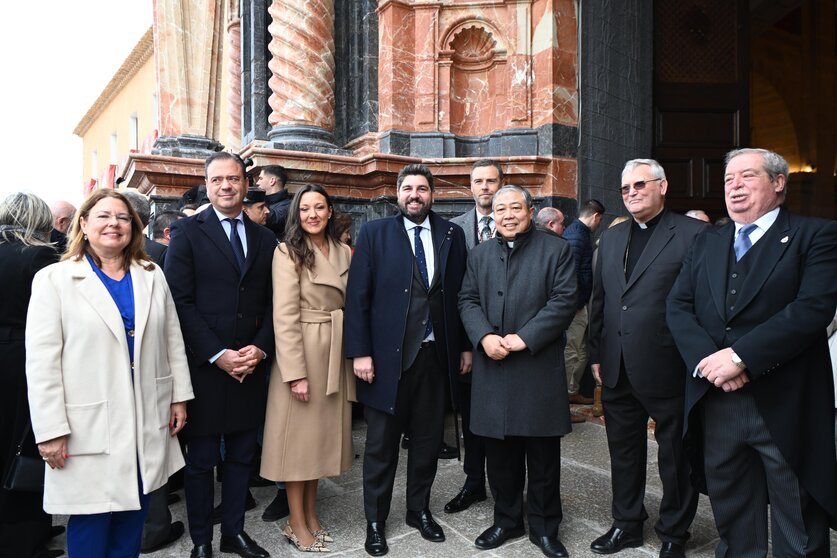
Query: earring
(85, 237)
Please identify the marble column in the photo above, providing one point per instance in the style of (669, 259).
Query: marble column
(302, 75)
(188, 48)
(234, 57)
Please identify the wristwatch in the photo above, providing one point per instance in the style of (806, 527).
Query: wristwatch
(736, 360)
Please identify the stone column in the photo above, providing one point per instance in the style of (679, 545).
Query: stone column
(234, 57)
(302, 75)
(188, 48)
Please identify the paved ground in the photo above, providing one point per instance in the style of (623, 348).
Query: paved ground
(585, 486)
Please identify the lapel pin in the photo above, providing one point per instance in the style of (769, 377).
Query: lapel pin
(784, 240)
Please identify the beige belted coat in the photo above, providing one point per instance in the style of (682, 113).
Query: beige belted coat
(313, 439)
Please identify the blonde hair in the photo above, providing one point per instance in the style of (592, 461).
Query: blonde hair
(78, 245)
(25, 218)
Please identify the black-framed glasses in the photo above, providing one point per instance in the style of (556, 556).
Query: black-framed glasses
(638, 186)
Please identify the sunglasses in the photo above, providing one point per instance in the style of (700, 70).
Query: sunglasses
(638, 186)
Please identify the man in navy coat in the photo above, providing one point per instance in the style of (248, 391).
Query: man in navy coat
(403, 331)
(218, 267)
(749, 312)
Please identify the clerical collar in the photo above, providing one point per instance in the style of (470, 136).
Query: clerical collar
(649, 224)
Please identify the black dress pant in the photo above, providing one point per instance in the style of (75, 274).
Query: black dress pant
(419, 410)
(202, 455)
(507, 462)
(626, 422)
(474, 462)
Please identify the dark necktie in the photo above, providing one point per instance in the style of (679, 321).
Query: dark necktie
(485, 228)
(421, 260)
(235, 242)
(742, 241)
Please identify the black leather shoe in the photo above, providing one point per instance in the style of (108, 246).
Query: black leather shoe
(278, 508)
(258, 481)
(243, 545)
(464, 500)
(201, 551)
(175, 532)
(495, 536)
(426, 525)
(448, 452)
(249, 504)
(376, 538)
(672, 550)
(615, 540)
(550, 546)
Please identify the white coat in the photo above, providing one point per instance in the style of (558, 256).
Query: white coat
(79, 375)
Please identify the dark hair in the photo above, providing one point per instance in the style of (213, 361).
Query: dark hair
(415, 169)
(591, 207)
(164, 221)
(488, 163)
(296, 239)
(140, 203)
(224, 156)
(278, 171)
(342, 223)
(78, 246)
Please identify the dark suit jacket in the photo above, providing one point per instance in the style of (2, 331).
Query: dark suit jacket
(221, 309)
(155, 251)
(530, 291)
(778, 329)
(378, 298)
(627, 318)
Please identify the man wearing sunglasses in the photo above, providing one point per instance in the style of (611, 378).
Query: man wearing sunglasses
(632, 354)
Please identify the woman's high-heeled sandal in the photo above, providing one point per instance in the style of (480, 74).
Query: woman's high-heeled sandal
(323, 535)
(315, 546)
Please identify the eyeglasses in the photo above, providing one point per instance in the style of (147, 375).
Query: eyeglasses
(121, 218)
(638, 186)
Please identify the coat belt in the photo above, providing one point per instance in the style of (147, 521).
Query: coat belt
(336, 362)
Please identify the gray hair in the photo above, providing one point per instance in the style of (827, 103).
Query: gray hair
(25, 218)
(545, 215)
(140, 204)
(773, 163)
(512, 188)
(656, 168)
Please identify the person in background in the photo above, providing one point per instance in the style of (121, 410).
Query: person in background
(343, 227)
(698, 214)
(25, 225)
(308, 425)
(155, 250)
(162, 225)
(273, 179)
(108, 379)
(550, 219)
(255, 207)
(62, 216)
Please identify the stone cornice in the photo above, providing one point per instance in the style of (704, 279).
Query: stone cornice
(135, 60)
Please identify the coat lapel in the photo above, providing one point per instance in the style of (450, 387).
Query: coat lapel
(660, 236)
(442, 232)
(768, 257)
(471, 233)
(330, 271)
(254, 242)
(96, 294)
(718, 242)
(143, 282)
(211, 227)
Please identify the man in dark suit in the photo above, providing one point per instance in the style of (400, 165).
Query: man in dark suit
(632, 354)
(403, 331)
(479, 226)
(155, 250)
(519, 396)
(219, 270)
(749, 312)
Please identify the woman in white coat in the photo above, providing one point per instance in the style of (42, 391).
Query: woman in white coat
(108, 379)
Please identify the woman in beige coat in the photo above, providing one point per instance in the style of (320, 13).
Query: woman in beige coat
(308, 423)
(108, 379)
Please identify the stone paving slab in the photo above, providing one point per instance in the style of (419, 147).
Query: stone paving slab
(585, 488)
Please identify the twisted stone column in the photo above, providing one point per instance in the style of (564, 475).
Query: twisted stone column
(302, 74)
(234, 56)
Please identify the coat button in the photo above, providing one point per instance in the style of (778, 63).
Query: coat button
(241, 289)
(735, 276)
(240, 315)
(130, 333)
(728, 328)
(499, 293)
(624, 308)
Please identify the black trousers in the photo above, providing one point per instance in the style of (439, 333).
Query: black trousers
(745, 471)
(474, 462)
(508, 461)
(419, 410)
(626, 422)
(202, 454)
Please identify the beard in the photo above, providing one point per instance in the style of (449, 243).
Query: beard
(416, 216)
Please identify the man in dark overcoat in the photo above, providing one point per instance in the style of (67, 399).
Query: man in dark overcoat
(749, 313)
(218, 267)
(402, 331)
(517, 300)
(632, 354)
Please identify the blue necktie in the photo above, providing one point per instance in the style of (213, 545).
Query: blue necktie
(422, 265)
(742, 241)
(235, 242)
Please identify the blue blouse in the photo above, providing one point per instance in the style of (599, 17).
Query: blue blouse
(122, 292)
